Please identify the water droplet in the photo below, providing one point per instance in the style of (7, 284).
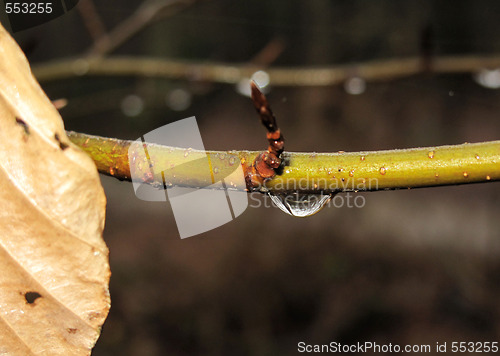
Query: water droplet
(477, 156)
(488, 177)
(132, 105)
(431, 154)
(178, 99)
(362, 158)
(216, 170)
(300, 205)
(466, 174)
(261, 78)
(355, 86)
(488, 78)
(231, 161)
(351, 173)
(148, 177)
(382, 170)
(80, 66)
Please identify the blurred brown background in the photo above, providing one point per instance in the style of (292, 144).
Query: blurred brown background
(410, 267)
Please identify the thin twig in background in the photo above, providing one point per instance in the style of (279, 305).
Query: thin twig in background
(279, 76)
(269, 53)
(91, 19)
(89, 104)
(142, 17)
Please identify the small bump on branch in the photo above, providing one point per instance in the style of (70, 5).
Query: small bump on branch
(267, 163)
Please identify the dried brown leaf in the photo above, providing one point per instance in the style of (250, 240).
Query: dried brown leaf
(54, 269)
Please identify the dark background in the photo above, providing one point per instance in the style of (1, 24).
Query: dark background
(410, 267)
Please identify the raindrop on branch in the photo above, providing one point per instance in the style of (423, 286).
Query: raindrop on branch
(299, 204)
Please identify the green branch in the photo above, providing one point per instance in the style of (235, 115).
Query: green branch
(305, 172)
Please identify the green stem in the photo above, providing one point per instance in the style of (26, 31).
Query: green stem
(306, 172)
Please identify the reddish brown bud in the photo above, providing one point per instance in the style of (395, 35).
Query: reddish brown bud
(265, 164)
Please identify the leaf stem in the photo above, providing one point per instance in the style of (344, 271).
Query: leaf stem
(309, 172)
